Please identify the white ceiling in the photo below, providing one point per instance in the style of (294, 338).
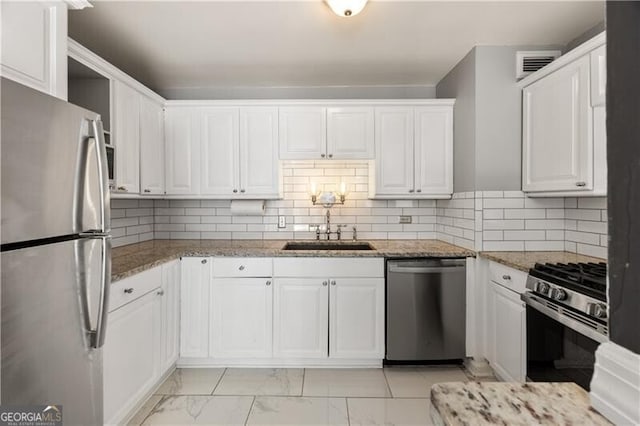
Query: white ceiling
(177, 45)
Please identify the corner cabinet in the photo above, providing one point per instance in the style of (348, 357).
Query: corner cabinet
(34, 44)
(563, 137)
(151, 147)
(414, 151)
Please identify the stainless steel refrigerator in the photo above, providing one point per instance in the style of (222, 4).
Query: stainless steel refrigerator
(55, 254)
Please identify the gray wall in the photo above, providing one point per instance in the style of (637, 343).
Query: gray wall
(498, 120)
(328, 92)
(460, 83)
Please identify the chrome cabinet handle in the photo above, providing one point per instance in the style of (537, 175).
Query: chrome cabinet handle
(242, 190)
(235, 191)
(241, 267)
(268, 282)
(122, 188)
(411, 190)
(506, 277)
(419, 190)
(160, 293)
(324, 283)
(203, 261)
(322, 155)
(147, 191)
(128, 290)
(330, 155)
(581, 184)
(333, 282)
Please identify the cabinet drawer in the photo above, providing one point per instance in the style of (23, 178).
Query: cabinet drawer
(131, 288)
(508, 277)
(242, 267)
(328, 267)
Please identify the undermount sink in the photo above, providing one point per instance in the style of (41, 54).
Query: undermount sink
(328, 245)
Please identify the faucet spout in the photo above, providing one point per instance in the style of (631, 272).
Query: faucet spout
(328, 230)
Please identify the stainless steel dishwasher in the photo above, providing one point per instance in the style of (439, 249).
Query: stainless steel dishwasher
(426, 301)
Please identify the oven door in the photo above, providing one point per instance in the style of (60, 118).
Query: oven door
(561, 343)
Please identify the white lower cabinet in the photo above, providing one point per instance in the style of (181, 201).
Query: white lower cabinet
(241, 317)
(509, 334)
(194, 312)
(131, 355)
(301, 309)
(170, 337)
(356, 318)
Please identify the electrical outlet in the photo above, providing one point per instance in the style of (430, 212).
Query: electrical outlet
(404, 219)
(282, 222)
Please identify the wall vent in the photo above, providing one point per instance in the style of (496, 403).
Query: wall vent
(531, 61)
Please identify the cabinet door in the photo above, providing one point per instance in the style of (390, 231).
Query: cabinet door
(131, 355)
(394, 151)
(194, 307)
(170, 337)
(182, 147)
(434, 150)
(241, 318)
(510, 344)
(303, 133)
(599, 76)
(356, 318)
(34, 44)
(127, 138)
(350, 133)
(556, 131)
(259, 165)
(300, 318)
(220, 144)
(151, 147)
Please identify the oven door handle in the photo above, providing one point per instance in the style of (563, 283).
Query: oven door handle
(533, 301)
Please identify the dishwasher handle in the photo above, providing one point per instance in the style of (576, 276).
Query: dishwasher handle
(443, 266)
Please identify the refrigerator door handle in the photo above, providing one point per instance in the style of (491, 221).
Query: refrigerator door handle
(103, 175)
(101, 324)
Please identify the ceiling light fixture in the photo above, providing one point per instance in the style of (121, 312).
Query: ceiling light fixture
(346, 8)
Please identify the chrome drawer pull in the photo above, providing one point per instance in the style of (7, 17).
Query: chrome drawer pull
(128, 290)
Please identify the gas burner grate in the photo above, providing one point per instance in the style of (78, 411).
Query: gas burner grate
(587, 278)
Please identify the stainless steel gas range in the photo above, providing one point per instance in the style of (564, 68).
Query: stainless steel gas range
(566, 321)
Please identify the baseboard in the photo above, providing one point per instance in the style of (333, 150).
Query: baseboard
(615, 387)
(278, 363)
(478, 367)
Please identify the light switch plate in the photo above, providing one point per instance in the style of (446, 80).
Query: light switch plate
(282, 222)
(404, 219)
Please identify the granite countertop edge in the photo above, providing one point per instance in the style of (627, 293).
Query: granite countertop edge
(129, 261)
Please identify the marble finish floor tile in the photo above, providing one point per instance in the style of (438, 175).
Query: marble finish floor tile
(144, 411)
(261, 381)
(200, 410)
(364, 382)
(388, 412)
(417, 382)
(191, 381)
(298, 411)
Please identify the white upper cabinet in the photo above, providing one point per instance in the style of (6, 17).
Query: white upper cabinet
(259, 165)
(599, 76)
(350, 133)
(151, 147)
(303, 133)
(126, 138)
(34, 44)
(563, 149)
(219, 151)
(433, 150)
(356, 318)
(414, 152)
(182, 148)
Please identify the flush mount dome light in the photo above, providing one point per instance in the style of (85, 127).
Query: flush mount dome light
(346, 8)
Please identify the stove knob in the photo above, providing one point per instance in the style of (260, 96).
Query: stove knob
(558, 294)
(542, 287)
(598, 310)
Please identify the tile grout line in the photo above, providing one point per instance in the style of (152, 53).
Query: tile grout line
(346, 401)
(250, 408)
(218, 382)
(386, 380)
(304, 374)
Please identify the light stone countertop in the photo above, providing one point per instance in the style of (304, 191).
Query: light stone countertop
(500, 403)
(135, 258)
(525, 260)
